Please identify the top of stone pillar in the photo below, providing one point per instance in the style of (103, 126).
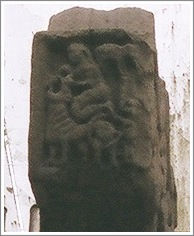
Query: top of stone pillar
(133, 20)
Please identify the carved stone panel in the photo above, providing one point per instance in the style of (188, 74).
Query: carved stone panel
(99, 134)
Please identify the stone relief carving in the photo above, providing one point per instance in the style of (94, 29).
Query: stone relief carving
(99, 166)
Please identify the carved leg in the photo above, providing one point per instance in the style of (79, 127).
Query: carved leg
(97, 150)
(83, 149)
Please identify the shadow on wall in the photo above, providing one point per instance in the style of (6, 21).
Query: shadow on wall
(34, 225)
(5, 211)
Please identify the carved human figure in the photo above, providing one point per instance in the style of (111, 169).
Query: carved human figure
(125, 68)
(79, 92)
(92, 95)
(88, 101)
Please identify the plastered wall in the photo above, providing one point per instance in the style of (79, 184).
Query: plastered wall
(22, 21)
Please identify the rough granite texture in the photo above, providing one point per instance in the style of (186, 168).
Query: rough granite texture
(99, 158)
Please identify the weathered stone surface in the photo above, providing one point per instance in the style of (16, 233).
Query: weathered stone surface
(99, 132)
(134, 20)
